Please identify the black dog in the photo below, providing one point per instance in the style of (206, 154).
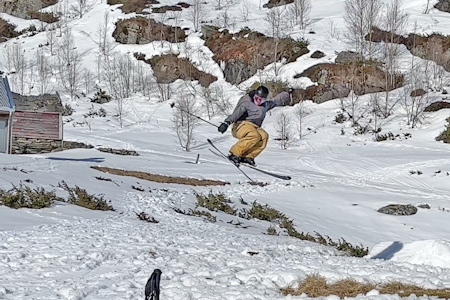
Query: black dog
(152, 286)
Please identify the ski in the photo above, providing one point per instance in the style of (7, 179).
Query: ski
(226, 157)
(283, 177)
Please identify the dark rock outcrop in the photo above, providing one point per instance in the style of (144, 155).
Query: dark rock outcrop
(399, 210)
(119, 151)
(275, 3)
(318, 54)
(168, 68)
(443, 5)
(130, 6)
(140, 30)
(7, 31)
(336, 80)
(243, 53)
(437, 106)
(418, 93)
(166, 8)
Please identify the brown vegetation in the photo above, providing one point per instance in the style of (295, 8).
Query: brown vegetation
(245, 52)
(317, 286)
(130, 6)
(168, 68)
(159, 178)
(140, 30)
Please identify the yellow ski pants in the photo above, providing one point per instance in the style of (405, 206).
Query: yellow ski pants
(252, 139)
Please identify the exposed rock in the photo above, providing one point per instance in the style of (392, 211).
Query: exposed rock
(347, 57)
(275, 3)
(443, 5)
(434, 47)
(24, 8)
(184, 4)
(243, 53)
(36, 146)
(333, 81)
(318, 54)
(418, 93)
(119, 151)
(140, 30)
(166, 8)
(7, 31)
(45, 103)
(437, 106)
(168, 68)
(130, 6)
(399, 210)
(424, 206)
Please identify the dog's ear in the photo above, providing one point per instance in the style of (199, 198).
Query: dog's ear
(152, 286)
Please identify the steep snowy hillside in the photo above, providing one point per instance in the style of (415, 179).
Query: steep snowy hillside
(339, 179)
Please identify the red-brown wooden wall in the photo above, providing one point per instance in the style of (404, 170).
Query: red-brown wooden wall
(39, 125)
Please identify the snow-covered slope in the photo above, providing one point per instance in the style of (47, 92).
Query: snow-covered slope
(339, 181)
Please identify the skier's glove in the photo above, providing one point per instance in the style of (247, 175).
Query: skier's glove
(223, 127)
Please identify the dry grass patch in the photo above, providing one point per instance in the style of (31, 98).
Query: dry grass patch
(159, 178)
(215, 202)
(317, 286)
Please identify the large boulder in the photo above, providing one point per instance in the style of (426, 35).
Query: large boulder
(141, 30)
(399, 210)
(443, 5)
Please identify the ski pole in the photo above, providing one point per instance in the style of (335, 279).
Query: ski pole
(172, 105)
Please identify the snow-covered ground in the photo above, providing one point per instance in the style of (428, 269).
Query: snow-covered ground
(339, 181)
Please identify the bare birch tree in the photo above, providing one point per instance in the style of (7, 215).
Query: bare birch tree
(184, 123)
(300, 112)
(360, 17)
(395, 21)
(276, 17)
(245, 10)
(283, 127)
(120, 110)
(16, 63)
(69, 64)
(81, 7)
(300, 11)
(197, 13)
(44, 71)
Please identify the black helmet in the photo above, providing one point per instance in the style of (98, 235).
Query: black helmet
(262, 91)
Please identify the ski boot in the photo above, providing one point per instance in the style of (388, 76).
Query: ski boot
(248, 160)
(234, 159)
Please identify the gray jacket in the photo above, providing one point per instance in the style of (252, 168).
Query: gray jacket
(246, 110)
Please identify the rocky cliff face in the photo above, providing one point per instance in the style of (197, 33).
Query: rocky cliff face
(140, 30)
(243, 53)
(24, 8)
(168, 68)
(7, 31)
(336, 80)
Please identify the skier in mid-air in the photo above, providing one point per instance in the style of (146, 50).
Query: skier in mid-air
(248, 116)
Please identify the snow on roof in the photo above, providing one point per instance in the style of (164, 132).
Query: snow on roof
(6, 99)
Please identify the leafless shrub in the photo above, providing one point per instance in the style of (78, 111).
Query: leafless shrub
(395, 21)
(44, 71)
(300, 11)
(360, 16)
(283, 127)
(184, 122)
(300, 112)
(197, 13)
(69, 64)
(245, 10)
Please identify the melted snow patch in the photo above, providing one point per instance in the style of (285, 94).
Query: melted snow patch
(429, 252)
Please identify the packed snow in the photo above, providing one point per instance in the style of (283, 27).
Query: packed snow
(339, 181)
